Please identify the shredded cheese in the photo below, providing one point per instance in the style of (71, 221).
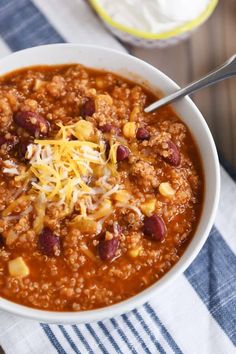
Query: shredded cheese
(19, 216)
(74, 173)
(63, 168)
(10, 168)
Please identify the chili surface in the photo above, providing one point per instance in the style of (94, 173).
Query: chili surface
(98, 200)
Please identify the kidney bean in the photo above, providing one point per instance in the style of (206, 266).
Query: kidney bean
(49, 243)
(154, 227)
(22, 148)
(107, 149)
(33, 123)
(107, 128)
(88, 108)
(122, 153)
(174, 155)
(3, 140)
(142, 134)
(107, 249)
(2, 241)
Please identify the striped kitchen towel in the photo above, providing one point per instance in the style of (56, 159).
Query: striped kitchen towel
(197, 313)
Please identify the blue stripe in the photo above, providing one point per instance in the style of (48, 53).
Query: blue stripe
(52, 338)
(109, 336)
(97, 339)
(227, 166)
(123, 336)
(137, 336)
(147, 330)
(22, 25)
(212, 274)
(69, 340)
(82, 339)
(169, 339)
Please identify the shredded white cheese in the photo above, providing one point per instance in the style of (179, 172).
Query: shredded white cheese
(19, 216)
(10, 167)
(64, 169)
(72, 174)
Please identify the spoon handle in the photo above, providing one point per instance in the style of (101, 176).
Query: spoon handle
(224, 71)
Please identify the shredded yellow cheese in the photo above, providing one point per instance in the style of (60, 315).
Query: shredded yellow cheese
(74, 173)
(63, 168)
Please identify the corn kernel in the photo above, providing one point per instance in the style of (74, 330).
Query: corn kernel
(121, 196)
(40, 209)
(18, 268)
(38, 84)
(134, 114)
(108, 236)
(88, 253)
(129, 129)
(104, 209)
(84, 130)
(148, 207)
(84, 224)
(134, 252)
(98, 170)
(166, 190)
(99, 83)
(105, 97)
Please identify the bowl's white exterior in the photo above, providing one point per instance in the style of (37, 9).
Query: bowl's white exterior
(149, 43)
(132, 68)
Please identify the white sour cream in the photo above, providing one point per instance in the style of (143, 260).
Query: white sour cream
(154, 16)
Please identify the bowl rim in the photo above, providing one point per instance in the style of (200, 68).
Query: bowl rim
(188, 26)
(145, 295)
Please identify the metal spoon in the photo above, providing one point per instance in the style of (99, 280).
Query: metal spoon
(224, 71)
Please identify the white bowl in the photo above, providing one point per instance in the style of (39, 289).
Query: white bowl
(143, 73)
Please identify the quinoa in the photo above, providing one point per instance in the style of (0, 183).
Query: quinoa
(89, 230)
